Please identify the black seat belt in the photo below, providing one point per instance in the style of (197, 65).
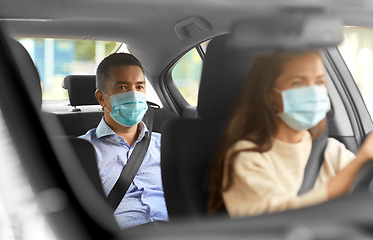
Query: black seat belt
(315, 161)
(133, 164)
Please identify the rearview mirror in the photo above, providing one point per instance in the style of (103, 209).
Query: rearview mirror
(287, 32)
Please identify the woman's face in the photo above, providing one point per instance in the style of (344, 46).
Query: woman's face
(301, 71)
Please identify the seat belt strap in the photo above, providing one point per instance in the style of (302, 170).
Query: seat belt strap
(314, 163)
(133, 164)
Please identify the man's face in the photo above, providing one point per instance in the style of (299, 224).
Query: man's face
(121, 79)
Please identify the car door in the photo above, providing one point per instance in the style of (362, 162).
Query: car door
(350, 120)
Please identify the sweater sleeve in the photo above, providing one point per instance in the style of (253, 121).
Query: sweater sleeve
(256, 190)
(336, 158)
(337, 153)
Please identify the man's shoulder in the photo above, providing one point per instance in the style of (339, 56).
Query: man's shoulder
(156, 136)
(156, 139)
(89, 135)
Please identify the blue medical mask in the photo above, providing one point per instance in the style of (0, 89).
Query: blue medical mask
(304, 107)
(128, 108)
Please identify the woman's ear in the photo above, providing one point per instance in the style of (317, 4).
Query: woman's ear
(276, 101)
(275, 108)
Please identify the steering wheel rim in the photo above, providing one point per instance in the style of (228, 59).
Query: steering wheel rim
(363, 178)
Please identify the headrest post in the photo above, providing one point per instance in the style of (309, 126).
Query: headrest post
(76, 109)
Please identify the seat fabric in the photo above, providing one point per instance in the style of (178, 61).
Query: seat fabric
(185, 163)
(78, 123)
(31, 75)
(81, 89)
(84, 150)
(189, 145)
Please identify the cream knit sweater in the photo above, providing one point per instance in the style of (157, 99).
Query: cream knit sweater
(269, 182)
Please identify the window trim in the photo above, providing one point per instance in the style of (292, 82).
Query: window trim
(172, 94)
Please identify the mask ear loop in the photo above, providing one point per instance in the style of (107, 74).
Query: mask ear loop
(328, 115)
(275, 108)
(104, 93)
(106, 96)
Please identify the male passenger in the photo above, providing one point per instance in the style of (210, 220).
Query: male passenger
(120, 80)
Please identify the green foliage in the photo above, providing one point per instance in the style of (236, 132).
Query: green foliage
(85, 50)
(110, 47)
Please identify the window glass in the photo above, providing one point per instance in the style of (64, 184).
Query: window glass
(57, 58)
(356, 51)
(204, 45)
(186, 76)
(187, 73)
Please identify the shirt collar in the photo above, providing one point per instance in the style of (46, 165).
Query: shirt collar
(103, 129)
(143, 131)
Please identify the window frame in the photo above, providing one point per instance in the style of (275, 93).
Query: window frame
(174, 98)
(349, 93)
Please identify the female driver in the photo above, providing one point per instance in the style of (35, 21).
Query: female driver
(260, 165)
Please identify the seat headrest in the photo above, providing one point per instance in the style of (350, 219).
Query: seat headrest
(28, 70)
(223, 75)
(81, 89)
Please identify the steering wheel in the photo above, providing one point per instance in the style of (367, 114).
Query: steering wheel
(364, 178)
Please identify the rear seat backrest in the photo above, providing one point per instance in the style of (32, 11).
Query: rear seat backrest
(78, 123)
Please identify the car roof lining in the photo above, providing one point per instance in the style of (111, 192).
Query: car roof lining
(136, 23)
(154, 50)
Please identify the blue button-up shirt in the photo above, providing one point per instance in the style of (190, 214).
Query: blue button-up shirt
(144, 201)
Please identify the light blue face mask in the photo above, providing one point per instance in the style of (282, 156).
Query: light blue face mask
(128, 108)
(304, 107)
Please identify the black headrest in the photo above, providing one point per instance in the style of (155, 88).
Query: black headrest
(28, 70)
(223, 75)
(81, 89)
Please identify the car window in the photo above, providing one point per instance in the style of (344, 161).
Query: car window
(187, 73)
(356, 51)
(57, 58)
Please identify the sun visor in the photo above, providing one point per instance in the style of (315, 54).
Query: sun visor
(286, 32)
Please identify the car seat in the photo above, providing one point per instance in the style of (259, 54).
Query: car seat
(32, 82)
(81, 89)
(189, 145)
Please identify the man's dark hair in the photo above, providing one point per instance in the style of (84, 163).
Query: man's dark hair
(115, 59)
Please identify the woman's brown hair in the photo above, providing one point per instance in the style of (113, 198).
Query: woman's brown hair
(253, 119)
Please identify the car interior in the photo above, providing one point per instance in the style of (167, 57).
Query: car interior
(61, 168)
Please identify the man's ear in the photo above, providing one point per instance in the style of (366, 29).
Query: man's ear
(100, 98)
